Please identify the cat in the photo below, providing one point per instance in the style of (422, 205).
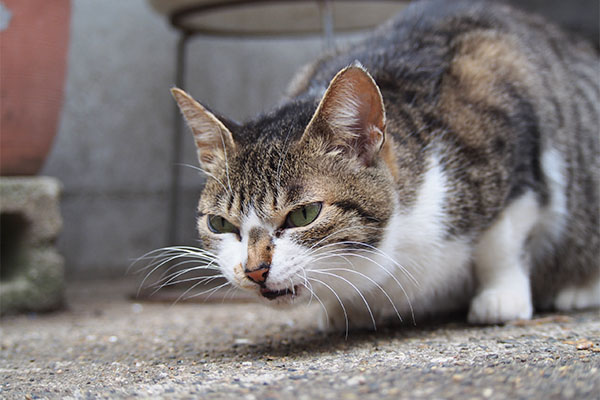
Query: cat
(447, 162)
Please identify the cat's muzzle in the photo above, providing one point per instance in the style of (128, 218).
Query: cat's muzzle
(260, 275)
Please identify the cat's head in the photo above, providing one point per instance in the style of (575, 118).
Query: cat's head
(299, 199)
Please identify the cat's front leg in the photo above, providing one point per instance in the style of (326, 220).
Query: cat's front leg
(502, 265)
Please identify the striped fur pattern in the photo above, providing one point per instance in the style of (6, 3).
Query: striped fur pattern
(455, 157)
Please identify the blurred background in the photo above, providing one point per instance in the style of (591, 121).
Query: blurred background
(113, 146)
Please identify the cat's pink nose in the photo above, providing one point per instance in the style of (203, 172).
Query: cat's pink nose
(258, 275)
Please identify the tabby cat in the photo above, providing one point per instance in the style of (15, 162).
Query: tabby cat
(447, 162)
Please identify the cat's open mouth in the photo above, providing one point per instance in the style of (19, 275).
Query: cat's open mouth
(273, 294)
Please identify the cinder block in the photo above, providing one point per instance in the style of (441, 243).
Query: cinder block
(31, 270)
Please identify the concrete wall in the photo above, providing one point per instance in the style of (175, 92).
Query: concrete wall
(113, 149)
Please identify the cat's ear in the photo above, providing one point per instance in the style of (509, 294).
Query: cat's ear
(351, 116)
(213, 139)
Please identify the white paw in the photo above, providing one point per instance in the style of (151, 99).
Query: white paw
(578, 298)
(497, 305)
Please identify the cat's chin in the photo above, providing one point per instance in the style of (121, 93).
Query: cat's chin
(287, 297)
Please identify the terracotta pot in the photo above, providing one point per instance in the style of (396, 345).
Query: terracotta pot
(33, 45)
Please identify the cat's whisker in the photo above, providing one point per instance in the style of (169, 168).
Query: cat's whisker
(356, 227)
(321, 303)
(380, 266)
(230, 292)
(396, 264)
(282, 159)
(176, 274)
(172, 280)
(166, 261)
(370, 280)
(374, 250)
(309, 287)
(205, 266)
(206, 260)
(205, 279)
(201, 279)
(312, 247)
(190, 249)
(151, 255)
(167, 254)
(354, 251)
(159, 266)
(338, 299)
(306, 283)
(172, 251)
(183, 295)
(211, 291)
(206, 173)
(186, 260)
(226, 164)
(227, 293)
(355, 288)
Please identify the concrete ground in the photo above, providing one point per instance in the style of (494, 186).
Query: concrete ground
(108, 346)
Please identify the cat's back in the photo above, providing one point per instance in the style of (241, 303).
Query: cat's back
(422, 42)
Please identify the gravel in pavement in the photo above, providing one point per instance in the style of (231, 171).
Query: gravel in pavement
(107, 346)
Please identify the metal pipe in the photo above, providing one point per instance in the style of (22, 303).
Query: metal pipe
(326, 9)
(172, 224)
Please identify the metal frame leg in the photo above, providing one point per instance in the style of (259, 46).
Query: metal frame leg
(326, 10)
(172, 236)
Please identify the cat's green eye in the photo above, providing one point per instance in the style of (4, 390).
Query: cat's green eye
(303, 216)
(218, 224)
